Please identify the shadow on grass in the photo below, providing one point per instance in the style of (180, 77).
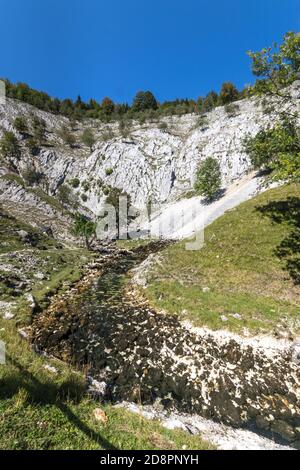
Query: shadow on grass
(50, 394)
(287, 212)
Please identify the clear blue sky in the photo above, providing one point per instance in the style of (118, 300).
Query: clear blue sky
(175, 48)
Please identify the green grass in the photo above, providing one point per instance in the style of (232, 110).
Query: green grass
(60, 266)
(42, 410)
(240, 265)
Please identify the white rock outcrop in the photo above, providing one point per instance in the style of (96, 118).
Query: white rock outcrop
(155, 162)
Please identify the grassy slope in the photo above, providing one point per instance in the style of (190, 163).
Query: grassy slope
(239, 265)
(43, 410)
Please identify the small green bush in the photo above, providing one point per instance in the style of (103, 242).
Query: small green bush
(109, 171)
(32, 176)
(67, 136)
(39, 129)
(75, 182)
(9, 146)
(232, 109)
(208, 178)
(107, 135)
(33, 146)
(88, 138)
(21, 125)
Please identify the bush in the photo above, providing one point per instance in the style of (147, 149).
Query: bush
(208, 103)
(208, 179)
(32, 146)
(88, 138)
(144, 100)
(228, 93)
(75, 182)
(202, 122)
(9, 146)
(124, 127)
(64, 194)
(107, 135)
(163, 126)
(232, 109)
(270, 147)
(107, 106)
(84, 227)
(86, 186)
(84, 197)
(109, 171)
(31, 176)
(39, 129)
(67, 136)
(20, 124)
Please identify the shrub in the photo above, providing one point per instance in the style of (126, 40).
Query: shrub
(31, 176)
(107, 135)
(124, 127)
(84, 197)
(64, 194)
(144, 100)
(67, 136)
(88, 138)
(109, 171)
(208, 178)
(20, 124)
(9, 146)
(84, 227)
(163, 126)
(86, 186)
(107, 106)
(39, 129)
(274, 148)
(75, 182)
(32, 146)
(232, 109)
(202, 122)
(209, 102)
(228, 93)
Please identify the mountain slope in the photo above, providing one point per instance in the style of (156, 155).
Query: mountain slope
(249, 266)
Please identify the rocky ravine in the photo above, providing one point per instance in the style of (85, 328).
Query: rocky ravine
(135, 353)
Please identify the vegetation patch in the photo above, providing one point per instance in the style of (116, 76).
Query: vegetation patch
(246, 273)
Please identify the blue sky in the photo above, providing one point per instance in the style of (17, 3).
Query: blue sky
(175, 48)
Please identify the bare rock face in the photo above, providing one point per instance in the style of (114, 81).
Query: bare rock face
(32, 208)
(152, 163)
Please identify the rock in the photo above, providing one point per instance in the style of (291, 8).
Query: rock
(295, 350)
(8, 316)
(262, 422)
(95, 388)
(283, 429)
(23, 235)
(39, 276)
(100, 416)
(283, 333)
(51, 369)
(173, 423)
(237, 316)
(296, 444)
(23, 333)
(223, 318)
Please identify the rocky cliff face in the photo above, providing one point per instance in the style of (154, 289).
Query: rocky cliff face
(155, 161)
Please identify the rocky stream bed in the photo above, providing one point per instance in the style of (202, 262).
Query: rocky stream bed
(132, 353)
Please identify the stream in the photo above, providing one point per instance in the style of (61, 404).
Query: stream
(134, 354)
